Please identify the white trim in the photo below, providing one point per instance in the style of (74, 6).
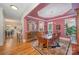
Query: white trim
(26, 13)
(36, 18)
(63, 17)
(51, 19)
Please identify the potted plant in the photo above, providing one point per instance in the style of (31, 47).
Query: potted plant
(71, 32)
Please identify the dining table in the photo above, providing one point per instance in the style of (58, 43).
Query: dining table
(47, 37)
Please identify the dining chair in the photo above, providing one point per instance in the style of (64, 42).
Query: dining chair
(41, 41)
(55, 39)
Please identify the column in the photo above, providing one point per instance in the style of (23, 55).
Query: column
(1, 27)
(77, 25)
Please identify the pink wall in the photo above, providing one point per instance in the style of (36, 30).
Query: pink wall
(60, 22)
(45, 27)
(26, 26)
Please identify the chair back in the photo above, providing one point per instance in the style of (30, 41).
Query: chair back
(55, 36)
(40, 38)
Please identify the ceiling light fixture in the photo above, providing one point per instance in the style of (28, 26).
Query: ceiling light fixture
(14, 7)
(8, 25)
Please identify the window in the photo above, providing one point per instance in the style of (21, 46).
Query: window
(70, 29)
(41, 26)
(50, 27)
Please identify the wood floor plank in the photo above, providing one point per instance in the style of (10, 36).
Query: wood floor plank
(23, 49)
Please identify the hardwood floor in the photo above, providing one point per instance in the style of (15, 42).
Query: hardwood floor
(13, 48)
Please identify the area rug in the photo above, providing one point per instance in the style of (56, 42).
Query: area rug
(62, 50)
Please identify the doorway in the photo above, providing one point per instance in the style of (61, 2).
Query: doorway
(13, 32)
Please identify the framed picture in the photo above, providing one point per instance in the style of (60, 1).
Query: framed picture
(57, 27)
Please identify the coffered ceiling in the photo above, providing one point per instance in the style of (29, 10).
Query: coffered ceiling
(53, 10)
(47, 11)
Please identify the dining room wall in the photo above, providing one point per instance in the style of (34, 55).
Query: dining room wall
(26, 21)
(61, 23)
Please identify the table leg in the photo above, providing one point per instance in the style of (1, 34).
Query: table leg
(47, 46)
